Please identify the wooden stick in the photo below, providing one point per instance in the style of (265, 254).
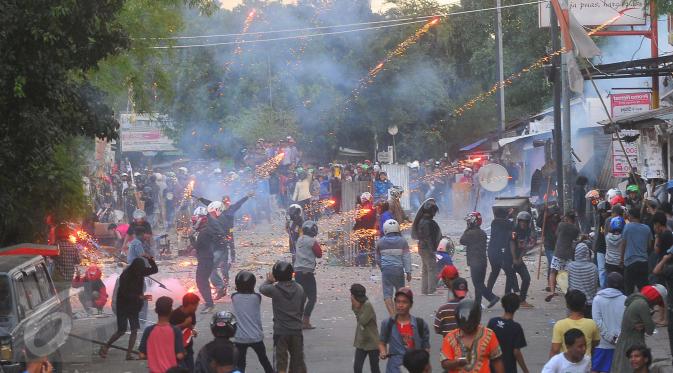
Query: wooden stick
(544, 224)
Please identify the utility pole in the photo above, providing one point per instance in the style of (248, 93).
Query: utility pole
(556, 62)
(565, 93)
(501, 69)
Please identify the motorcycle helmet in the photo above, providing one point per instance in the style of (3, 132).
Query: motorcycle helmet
(245, 282)
(617, 200)
(200, 211)
(473, 219)
(617, 224)
(216, 207)
(396, 192)
(223, 324)
(429, 207)
(139, 214)
(468, 315)
(633, 188)
(523, 215)
(294, 211)
(310, 228)
(282, 271)
(391, 226)
(603, 206)
(365, 197)
(612, 193)
(93, 273)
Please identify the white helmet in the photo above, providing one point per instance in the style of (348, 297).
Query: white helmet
(217, 207)
(139, 214)
(184, 170)
(200, 211)
(391, 226)
(612, 193)
(365, 197)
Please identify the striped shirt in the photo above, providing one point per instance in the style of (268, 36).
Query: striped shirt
(582, 273)
(66, 260)
(445, 318)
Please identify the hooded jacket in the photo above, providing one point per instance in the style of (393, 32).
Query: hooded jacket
(613, 254)
(607, 311)
(637, 311)
(392, 251)
(582, 273)
(501, 234)
(287, 300)
(131, 284)
(474, 240)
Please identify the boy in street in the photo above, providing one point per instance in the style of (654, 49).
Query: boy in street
(575, 359)
(184, 317)
(575, 302)
(161, 343)
(637, 241)
(287, 300)
(607, 311)
(402, 332)
(510, 334)
(366, 335)
(445, 317)
(566, 234)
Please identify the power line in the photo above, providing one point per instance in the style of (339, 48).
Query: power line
(397, 22)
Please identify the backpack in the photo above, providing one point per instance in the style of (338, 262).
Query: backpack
(393, 320)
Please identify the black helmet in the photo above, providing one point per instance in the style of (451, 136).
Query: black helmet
(430, 207)
(294, 211)
(282, 271)
(245, 282)
(604, 206)
(223, 324)
(468, 315)
(310, 228)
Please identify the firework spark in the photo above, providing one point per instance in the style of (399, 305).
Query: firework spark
(265, 169)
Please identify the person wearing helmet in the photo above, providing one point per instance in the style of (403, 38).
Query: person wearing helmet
(613, 242)
(498, 245)
(205, 242)
(293, 222)
(394, 259)
(365, 230)
(426, 230)
(223, 325)
(482, 347)
(474, 239)
(94, 293)
(396, 206)
(308, 250)
(523, 239)
(637, 321)
(287, 302)
(381, 187)
(249, 332)
(139, 220)
(402, 332)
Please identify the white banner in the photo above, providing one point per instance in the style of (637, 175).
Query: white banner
(650, 162)
(142, 133)
(597, 12)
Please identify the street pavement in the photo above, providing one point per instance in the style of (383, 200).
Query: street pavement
(328, 348)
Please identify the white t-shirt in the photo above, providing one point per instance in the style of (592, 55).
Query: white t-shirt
(559, 364)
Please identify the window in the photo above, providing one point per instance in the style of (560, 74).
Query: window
(21, 297)
(46, 287)
(32, 289)
(6, 303)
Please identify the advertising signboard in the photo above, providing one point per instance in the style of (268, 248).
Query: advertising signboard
(142, 133)
(621, 105)
(597, 12)
(624, 104)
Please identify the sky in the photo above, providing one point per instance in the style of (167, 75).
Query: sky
(377, 5)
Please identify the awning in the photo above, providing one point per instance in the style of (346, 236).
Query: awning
(639, 120)
(29, 249)
(348, 152)
(467, 148)
(509, 140)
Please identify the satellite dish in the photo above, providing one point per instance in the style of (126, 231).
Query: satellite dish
(493, 177)
(392, 130)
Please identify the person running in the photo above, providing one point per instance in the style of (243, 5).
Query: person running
(294, 222)
(550, 218)
(566, 234)
(366, 335)
(204, 267)
(583, 275)
(640, 358)
(287, 301)
(402, 333)
(613, 245)
(308, 250)
(607, 312)
(574, 359)
(474, 239)
(510, 334)
(417, 361)
(637, 322)
(575, 302)
(161, 343)
(184, 317)
(394, 259)
(523, 239)
(472, 347)
(501, 231)
(426, 230)
(445, 317)
(249, 332)
(637, 241)
(223, 326)
(129, 301)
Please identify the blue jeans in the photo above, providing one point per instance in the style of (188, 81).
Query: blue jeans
(221, 261)
(392, 278)
(602, 272)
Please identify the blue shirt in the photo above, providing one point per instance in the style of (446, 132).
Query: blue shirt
(136, 249)
(396, 345)
(638, 237)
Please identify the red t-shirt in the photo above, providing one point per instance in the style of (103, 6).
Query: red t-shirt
(161, 343)
(407, 333)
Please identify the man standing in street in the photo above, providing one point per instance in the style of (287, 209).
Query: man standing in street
(566, 233)
(636, 243)
(64, 265)
(474, 239)
(394, 259)
(402, 333)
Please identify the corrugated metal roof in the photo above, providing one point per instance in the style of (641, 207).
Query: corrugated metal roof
(648, 118)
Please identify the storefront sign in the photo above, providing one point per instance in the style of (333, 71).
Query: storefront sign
(620, 166)
(142, 133)
(623, 104)
(598, 12)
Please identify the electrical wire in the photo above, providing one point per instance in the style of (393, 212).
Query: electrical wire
(401, 20)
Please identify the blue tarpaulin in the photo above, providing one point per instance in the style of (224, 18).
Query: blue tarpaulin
(467, 148)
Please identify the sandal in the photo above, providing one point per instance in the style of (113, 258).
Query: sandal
(549, 297)
(103, 352)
